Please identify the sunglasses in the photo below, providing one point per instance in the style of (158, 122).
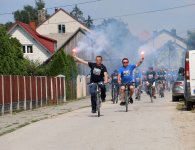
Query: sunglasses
(125, 62)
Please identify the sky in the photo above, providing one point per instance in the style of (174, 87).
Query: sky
(181, 19)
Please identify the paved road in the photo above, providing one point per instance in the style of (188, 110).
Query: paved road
(145, 127)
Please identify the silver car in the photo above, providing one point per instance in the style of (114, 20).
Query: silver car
(178, 88)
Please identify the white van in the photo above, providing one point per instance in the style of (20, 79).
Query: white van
(189, 82)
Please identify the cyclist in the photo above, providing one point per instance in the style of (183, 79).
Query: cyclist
(125, 75)
(161, 78)
(151, 78)
(98, 74)
(138, 82)
(114, 81)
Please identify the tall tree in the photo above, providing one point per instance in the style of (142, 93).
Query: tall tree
(29, 13)
(40, 4)
(77, 14)
(11, 56)
(89, 22)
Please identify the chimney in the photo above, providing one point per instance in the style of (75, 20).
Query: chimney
(56, 9)
(41, 16)
(173, 32)
(33, 25)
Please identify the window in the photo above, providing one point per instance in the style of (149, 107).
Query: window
(61, 28)
(27, 49)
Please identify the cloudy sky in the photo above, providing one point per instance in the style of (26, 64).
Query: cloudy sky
(181, 19)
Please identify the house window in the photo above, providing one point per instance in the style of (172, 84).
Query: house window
(27, 49)
(61, 28)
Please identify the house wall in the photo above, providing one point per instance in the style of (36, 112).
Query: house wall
(159, 41)
(39, 52)
(51, 25)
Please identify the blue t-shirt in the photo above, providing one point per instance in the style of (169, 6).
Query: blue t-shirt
(137, 78)
(127, 73)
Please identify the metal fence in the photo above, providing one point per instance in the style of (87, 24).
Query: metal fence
(29, 92)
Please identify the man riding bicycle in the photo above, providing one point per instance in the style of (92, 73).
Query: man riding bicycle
(114, 81)
(98, 74)
(138, 82)
(125, 75)
(161, 78)
(151, 78)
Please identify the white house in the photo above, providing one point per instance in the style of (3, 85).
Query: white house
(61, 22)
(164, 49)
(35, 46)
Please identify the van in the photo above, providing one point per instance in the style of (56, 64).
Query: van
(189, 79)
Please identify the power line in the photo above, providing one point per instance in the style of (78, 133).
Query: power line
(136, 13)
(81, 3)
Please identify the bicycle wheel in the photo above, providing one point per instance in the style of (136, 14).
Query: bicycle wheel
(114, 96)
(98, 104)
(151, 94)
(126, 100)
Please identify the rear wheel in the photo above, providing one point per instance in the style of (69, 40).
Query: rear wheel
(189, 105)
(174, 98)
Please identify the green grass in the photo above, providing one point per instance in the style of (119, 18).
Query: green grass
(181, 106)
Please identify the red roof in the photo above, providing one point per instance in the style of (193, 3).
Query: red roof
(48, 43)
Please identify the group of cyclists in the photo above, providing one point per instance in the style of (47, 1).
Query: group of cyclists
(136, 79)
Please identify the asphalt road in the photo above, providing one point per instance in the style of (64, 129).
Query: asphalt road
(147, 126)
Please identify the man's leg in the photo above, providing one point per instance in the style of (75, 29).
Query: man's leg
(131, 93)
(103, 93)
(93, 89)
(122, 93)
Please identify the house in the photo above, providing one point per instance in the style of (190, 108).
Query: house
(166, 49)
(67, 31)
(35, 47)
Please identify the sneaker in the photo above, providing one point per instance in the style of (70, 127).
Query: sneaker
(93, 111)
(136, 97)
(131, 100)
(122, 103)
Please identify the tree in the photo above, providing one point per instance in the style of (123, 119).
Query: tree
(191, 40)
(26, 15)
(64, 64)
(29, 13)
(11, 56)
(89, 22)
(40, 4)
(77, 14)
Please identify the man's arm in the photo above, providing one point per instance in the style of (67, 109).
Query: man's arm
(105, 77)
(119, 78)
(81, 60)
(140, 62)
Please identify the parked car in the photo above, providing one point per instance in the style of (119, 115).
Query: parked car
(189, 79)
(178, 88)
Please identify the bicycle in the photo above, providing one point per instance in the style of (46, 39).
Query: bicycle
(98, 95)
(115, 94)
(127, 94)
(161, 89)
(138, 92)
(150, 91)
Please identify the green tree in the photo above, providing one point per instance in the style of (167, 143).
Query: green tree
(40, 4)
(29, 13)
(64, 64)
(77, 13)
(89, 22)
(191, 40)
(26, 15)
(11, 56)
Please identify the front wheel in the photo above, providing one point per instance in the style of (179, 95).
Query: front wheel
(98, 104)
(151, 95)
(126, 100)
